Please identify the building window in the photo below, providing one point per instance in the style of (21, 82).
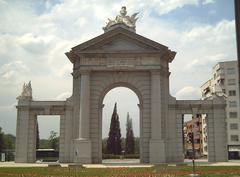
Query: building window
(232, 104)
(234, 138)
(223, 90)
(233, 114)
(233, 126)
(232, 93)
(231, 82)
(230, 70)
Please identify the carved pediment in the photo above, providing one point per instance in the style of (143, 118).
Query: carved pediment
(119, 43)
(119, 40)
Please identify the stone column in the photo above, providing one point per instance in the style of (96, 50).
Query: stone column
(157, 145)
(140, 107)
(84, 106)
(32, 132)
(178, 152)
(217, 133)
(155, 106)
(62, 142)
(82, 145)
(210, 137)
(26, 134)
(100, 135)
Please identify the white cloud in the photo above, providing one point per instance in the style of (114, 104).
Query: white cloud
(163, 6)
(189, 93)
(13, 73)
(208, 2)
(35, 44)
(11, 107)
(3, 2)
(198, 50)
(63, 96)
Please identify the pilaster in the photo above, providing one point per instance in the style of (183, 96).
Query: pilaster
(156, 119)
(26, 135)
(217, 133)
(84, 106)
(82, 145)
(157, 144)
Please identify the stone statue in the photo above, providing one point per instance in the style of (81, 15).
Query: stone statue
(123, 18)
(26, 91)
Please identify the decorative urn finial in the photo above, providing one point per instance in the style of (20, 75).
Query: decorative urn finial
(122, 19)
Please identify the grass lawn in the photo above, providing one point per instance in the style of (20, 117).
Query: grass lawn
(164, 171)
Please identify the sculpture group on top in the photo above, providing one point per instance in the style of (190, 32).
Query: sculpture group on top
(26, 91)
(123, 18)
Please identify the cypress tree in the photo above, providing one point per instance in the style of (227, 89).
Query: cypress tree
(114, 135)
(37, 139)
(1, 140)
(129, 147)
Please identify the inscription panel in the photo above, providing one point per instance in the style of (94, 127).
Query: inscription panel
(120, 62)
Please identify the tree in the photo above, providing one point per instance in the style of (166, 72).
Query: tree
(53, 140)
(9, 141)
(1, 140)
(37, 139)
(129, 147)
(114, 135)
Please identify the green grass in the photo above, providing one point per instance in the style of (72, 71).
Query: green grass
(119, 172)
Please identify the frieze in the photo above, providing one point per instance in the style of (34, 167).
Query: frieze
(113, 62)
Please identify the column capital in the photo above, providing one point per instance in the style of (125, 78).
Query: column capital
(155, 72)
(84, 72)
(75, 73)
(162, 71)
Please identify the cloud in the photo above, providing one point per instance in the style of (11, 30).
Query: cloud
(189, 93)
(3, 2)
(13, 73)
(162, 7)
(35, 44)
(208, 2)
(11, 107)
(198, 50)
(63, 96)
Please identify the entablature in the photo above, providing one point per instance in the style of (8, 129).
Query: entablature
(45, 107)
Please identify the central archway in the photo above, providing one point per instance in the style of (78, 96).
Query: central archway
(101, 84)
(127, 105)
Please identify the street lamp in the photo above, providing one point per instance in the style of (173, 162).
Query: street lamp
(191, 138)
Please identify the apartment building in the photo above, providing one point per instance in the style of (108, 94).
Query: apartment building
(224, 81)
(193, 126)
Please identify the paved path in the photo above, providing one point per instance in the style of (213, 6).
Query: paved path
(117, 163)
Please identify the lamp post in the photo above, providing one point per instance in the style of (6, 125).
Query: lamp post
(237, 22)
(193, 151)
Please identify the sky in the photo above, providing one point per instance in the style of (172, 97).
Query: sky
(34, 35)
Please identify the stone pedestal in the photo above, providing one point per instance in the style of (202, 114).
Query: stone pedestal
(82, 151)
(157, 151)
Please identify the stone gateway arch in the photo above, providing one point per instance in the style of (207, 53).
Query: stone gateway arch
(120, 57)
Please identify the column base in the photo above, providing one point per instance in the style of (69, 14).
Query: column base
(82, 151)
(157, 153)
